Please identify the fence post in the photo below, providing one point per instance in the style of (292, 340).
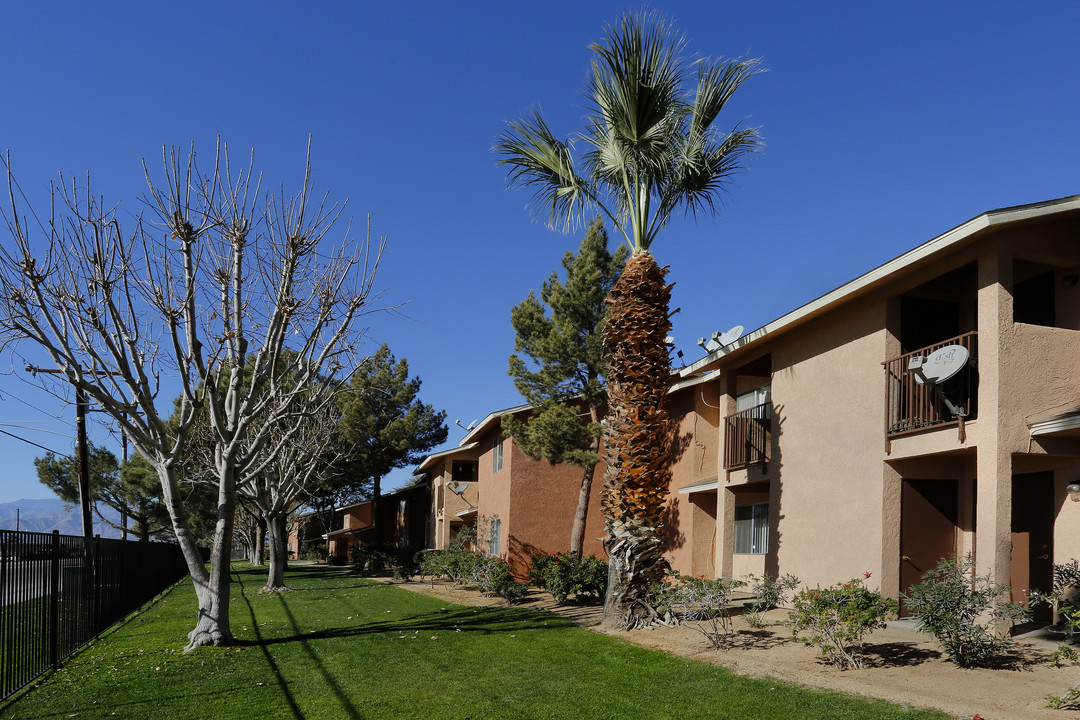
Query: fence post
(95, 571)
(54, 602)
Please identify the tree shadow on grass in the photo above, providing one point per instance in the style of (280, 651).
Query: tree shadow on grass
(485, 620)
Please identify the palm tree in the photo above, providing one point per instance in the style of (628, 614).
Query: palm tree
(651, 148)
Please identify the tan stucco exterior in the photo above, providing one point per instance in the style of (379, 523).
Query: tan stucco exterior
(846, 479)
(835, 477)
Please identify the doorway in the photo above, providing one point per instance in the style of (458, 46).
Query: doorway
(1032, 560)
(928, 519)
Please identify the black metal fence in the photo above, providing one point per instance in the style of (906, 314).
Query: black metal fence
(56, 595)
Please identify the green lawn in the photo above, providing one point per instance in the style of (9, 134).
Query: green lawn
(342, 647)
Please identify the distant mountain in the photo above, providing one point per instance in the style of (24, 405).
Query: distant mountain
(52, 514)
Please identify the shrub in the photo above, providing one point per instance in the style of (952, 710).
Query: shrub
(562, 575)
(1064, 595)
(400, 560)
(768, 593)
(492, 576)
(707, 603)
(837, 619)
(949, 603)
(319, 553)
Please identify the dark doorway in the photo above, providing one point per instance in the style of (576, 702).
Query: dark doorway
(928, 514)
(1032, 560)
(925, 322)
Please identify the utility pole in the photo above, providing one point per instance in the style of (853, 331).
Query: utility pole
(81, 408)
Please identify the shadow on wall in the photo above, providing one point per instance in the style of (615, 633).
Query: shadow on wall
(519, 553)
(776, 497)
(671, 534)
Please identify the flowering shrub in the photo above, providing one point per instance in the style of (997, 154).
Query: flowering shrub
(562, 575)
(836, 619)
(707, 603)
(949, 603)
(769, 592)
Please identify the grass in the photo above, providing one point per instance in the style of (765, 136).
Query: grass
(342, 647)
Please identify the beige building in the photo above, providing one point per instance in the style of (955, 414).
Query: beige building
(837, 460)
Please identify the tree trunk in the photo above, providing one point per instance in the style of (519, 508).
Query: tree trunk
(636, 440)
(581, 514)
(258, 542)
(212, 626)
(275, 530)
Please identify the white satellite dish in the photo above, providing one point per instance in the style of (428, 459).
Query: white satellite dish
(456, 487)
(938, 366)
(731, 335)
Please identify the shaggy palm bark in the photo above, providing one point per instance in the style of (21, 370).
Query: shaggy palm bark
(637, 451)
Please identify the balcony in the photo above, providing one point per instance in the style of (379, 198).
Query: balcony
(746, 437)
(911, 407)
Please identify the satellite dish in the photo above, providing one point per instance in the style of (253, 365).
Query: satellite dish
(709, 345)
(730, 336)
(456, 487)
(938, 366)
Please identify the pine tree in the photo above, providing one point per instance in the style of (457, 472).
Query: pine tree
(561, 333)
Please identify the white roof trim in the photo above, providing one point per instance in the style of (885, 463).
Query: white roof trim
(706, 486)
(466, 512)
(938, 244)
(1061, 423)
(470, 436)
(443, 453)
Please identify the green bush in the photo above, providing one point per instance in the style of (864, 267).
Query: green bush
(970, 615)
(492, 576)
(682, 598)
(319, 553)
(769, 592)
(563, 575)
(377, 559)
(837, 619)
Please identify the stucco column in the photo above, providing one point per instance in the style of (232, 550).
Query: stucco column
(725, 531)
(891, 493)
(993, 541)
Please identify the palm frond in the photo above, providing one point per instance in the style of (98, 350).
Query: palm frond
(704, 166)
(635, 86)
(716, 83)
(540, 161)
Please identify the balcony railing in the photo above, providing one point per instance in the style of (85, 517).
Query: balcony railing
(746, 437)
(910, 407)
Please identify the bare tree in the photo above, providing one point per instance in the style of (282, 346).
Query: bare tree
(298, 454)
(240, 299)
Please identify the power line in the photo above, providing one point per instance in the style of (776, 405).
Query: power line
(5, 432)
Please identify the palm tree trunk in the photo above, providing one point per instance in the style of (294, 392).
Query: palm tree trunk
(636, 439)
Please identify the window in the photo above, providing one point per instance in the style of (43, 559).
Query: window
(497, 455)
(493, 538)
(758, 396)
(752, 529)
(463, 472)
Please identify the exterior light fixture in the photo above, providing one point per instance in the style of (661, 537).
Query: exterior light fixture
(1074, 491)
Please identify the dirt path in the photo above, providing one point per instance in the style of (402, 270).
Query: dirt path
(905, 667)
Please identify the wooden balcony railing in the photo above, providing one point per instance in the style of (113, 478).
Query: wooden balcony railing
(746, 437)
(910, 407)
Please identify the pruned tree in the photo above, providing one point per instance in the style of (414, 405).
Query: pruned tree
(560, 333)
(235, 296)
(653, 148)
(298, 454)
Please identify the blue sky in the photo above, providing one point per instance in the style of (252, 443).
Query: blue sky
(885, 124)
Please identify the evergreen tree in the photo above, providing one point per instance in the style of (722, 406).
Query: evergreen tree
(383, 424)
(561, 333)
